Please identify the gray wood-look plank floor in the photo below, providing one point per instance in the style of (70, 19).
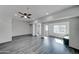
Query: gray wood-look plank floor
(34, 45)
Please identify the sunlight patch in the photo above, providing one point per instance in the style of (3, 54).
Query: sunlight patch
(59, 41)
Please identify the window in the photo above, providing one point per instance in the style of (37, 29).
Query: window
(61, 29)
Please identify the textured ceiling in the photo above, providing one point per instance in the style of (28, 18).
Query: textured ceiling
(37, 10)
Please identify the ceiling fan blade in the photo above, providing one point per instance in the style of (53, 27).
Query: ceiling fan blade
(21, 13)
(29, 14)
(28, 17)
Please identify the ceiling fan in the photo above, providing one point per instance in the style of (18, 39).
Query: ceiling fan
(25, 15)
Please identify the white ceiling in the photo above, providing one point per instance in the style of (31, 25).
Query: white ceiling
(37, 10)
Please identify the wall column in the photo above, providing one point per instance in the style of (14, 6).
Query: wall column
(42, 30)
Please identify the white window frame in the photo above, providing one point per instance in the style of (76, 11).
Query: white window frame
(60, 29)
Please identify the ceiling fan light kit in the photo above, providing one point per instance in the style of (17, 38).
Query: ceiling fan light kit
(25, 15)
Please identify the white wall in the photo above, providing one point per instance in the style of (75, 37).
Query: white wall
(20, 28)
(74, 33)
(5, 30)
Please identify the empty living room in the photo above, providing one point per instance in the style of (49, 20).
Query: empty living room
(39, 29)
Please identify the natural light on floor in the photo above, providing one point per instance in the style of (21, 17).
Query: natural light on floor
(46, 41)
(59, 41)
